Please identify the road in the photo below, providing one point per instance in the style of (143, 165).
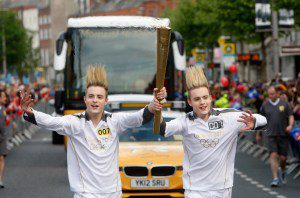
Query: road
(38, 169)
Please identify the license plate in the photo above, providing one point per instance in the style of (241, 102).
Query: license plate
(149, 183)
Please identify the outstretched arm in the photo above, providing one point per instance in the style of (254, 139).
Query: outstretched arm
(59, 124)
(26, 102)
(252, 121)
(124, 121)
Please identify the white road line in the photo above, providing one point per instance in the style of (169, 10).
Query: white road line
(248, 179)
(243, 175)
(254, 182)
(260, 186)
(280, 196)
(257, 184)
(266, 189)
(273, 193)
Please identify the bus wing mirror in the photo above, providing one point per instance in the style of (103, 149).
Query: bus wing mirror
(178, 51)
(59, 102)
(60, 53)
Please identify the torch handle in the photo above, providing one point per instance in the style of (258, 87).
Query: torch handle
(163, 40)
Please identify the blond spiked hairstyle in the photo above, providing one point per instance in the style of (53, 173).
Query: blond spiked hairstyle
(96, 76)
(195, 78)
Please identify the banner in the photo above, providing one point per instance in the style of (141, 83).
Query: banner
(262, 14)
(286, 18)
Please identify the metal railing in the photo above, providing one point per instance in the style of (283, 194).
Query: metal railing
(18, 130)
(247, 144)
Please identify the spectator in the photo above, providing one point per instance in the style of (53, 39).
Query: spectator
(280, 121)
(296, 109)
(3, 147)
(295, 145)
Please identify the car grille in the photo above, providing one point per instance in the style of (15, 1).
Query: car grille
(136, 171)
(163, 171)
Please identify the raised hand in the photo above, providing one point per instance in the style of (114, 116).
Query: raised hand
(26, 101)
(158, 100)
(248, 120)
(160, 94)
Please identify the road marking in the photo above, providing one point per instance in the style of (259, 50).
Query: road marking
(280, 196)
(266, 189)
(46, 139)
(254, 182)
(260, 186)
(257, 184)
(41, 140)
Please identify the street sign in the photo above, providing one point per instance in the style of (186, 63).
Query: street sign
(262, 14)
(290, 50)
(229, 49)
(198, 55)
(221, 40)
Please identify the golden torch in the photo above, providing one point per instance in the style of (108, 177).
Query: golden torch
(163, 41)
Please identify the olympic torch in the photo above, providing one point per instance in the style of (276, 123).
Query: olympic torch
(163, 41)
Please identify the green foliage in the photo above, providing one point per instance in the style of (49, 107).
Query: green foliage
(205, 20)
(182, 21)
(19, 53)
(237, 19)
(15, 37)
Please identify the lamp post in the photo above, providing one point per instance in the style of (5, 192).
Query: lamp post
(4, 62)
(276, 63)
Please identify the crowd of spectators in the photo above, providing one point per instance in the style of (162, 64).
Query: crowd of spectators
(12, 106)
(244, 96)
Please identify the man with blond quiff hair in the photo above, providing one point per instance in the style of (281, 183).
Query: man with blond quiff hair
(209, 139)
(93, 137)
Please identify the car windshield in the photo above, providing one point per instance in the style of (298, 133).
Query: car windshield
(145, 133)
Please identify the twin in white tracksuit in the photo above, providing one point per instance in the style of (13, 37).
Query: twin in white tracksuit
(209, 150)
(92, 154)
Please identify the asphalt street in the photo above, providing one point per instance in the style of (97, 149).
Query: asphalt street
(37, 169)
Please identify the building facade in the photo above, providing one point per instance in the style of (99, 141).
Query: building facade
(152, 8)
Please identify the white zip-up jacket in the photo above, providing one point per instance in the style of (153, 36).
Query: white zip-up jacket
(209, 147)
(92, 153)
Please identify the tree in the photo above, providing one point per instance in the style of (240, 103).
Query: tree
(17, 42)
(205, 20)
(31, 60)
(237, 20)
(195, 21)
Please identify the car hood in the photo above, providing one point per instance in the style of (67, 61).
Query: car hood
(150, 153)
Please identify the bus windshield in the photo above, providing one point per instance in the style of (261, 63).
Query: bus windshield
(129, 57)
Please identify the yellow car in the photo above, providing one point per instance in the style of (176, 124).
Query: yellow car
(151, 165)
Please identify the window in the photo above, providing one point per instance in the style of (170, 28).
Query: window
(43, 56)
(40, 20)
(41, 35)
(45, 34)
(47, 57)
(44, 19)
